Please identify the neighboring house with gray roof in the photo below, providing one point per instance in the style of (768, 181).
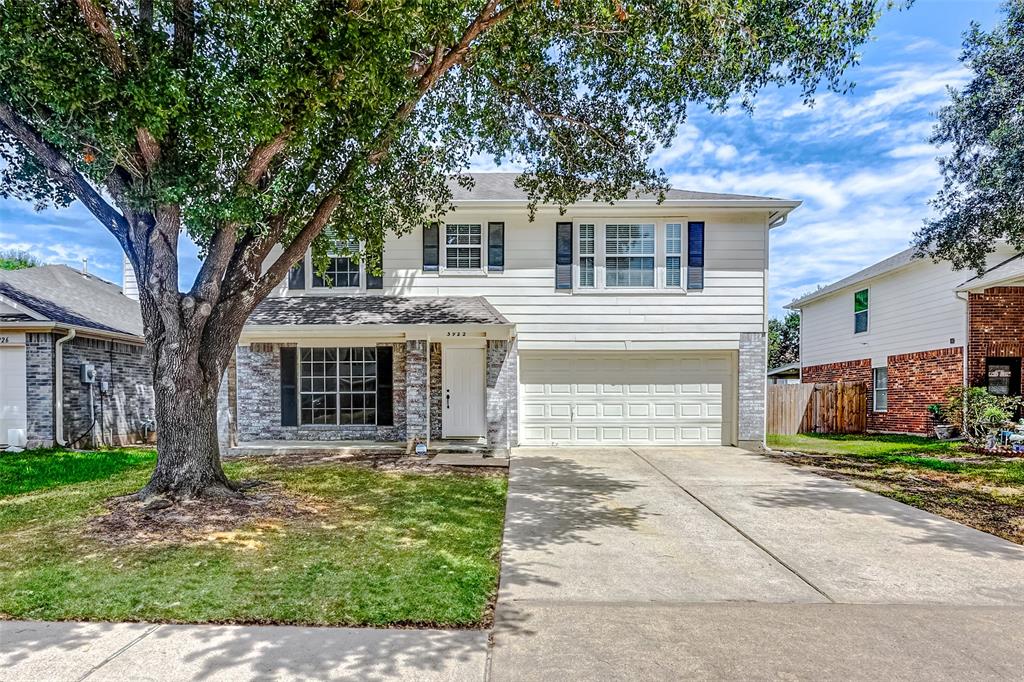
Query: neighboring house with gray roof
(636, 323)
(911, 328)
(73, 364)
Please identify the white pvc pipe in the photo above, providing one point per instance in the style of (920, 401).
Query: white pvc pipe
(59, 388)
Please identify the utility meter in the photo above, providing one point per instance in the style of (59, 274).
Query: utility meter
(88, 373)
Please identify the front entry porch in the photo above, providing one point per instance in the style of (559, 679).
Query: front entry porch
(338, 373)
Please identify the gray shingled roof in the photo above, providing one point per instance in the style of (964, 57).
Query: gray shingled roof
(66, 296)
(365, 310)
(891, 263)
(502, 187)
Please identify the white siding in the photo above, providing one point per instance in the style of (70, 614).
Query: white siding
(912, 309)
(732, 301)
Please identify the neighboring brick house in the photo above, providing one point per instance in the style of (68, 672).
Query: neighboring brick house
(911, 328)
(638, 323)
(55, 323)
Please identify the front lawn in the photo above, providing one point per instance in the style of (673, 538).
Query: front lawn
(984, 492)
(341, 544)
(22, 472)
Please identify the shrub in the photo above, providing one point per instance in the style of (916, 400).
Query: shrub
(978, 413)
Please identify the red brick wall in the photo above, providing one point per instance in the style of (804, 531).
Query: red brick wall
(996, 329)
(915, 381)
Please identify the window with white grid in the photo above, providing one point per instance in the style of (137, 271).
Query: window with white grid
(463, 245)
(673, 254)
(586, 248)
(343, 270)
(629, 255)
(338, 386)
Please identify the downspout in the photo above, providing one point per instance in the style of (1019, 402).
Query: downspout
(967, 334)
(59, 388)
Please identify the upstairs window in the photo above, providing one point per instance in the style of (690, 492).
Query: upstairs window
(343, 271)
(463, 245)
(860, 311)
(629, 255)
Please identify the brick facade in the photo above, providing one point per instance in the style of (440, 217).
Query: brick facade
(996, 329)
(250, 401)
(257, 387)
(753, 365)
(123, 412)
(915, 381)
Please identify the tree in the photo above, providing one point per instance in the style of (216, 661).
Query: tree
(252, 124)
(784, 340)
(16, 259)
(982, 196)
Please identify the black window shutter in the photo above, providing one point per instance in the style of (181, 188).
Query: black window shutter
(496, 247)
(431, 247)
(385, 383)
(297, 275)
(695, 258)
(375, 281)
(563, 255)
(289, 387)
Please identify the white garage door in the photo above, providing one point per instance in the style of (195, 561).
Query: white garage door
(12, 389)
(620, 399)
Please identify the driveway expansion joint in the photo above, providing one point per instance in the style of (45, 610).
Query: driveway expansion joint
(736, 528)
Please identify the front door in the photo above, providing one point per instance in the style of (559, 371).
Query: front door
(462, 399)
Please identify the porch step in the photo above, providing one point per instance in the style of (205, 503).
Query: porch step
(284, 447)
(468, 460)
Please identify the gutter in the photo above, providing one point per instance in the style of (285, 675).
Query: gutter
(776, 220)
(59, 388)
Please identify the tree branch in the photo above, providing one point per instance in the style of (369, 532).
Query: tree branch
(61, 170)
(97, 22)
(184, 18)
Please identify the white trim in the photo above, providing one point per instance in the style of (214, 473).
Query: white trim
(875, 389)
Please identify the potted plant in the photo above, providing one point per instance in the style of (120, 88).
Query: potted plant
(943, 431)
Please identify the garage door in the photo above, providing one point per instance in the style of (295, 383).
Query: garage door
(619, 399)
(12, 388)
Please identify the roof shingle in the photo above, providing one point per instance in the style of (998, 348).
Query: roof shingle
(375, 310)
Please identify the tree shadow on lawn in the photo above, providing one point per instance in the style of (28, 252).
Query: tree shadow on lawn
(562, 501)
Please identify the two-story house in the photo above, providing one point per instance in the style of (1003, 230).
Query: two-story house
(911, 328)
(634, 323)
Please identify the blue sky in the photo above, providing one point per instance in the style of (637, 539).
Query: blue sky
(860, 162)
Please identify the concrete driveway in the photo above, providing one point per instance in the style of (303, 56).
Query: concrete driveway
(669, 563)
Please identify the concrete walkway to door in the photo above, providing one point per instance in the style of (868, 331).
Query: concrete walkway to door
(670, 563)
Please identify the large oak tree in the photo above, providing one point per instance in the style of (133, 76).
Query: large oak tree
(252, 123)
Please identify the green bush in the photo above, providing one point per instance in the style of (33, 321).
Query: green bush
(978, 413)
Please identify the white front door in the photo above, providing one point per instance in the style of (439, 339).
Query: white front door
(13, 398)
(462, 399)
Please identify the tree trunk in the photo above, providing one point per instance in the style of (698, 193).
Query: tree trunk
(188, 450)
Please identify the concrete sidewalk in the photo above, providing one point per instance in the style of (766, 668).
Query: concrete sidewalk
(715, 563)
(32, 652)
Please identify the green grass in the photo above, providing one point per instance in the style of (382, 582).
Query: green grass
(911, 451)
(385, 549)
(22, 472)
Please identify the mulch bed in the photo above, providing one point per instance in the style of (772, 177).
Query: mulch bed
(130, 522)
(999, 511)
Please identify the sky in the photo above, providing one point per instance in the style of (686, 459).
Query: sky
(860, 162)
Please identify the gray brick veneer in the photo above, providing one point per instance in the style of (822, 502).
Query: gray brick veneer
(753, 390)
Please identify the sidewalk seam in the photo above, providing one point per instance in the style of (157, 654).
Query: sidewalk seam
(736, 528)
(120, 651)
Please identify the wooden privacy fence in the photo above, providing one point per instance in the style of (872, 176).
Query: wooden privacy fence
(841, 407)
